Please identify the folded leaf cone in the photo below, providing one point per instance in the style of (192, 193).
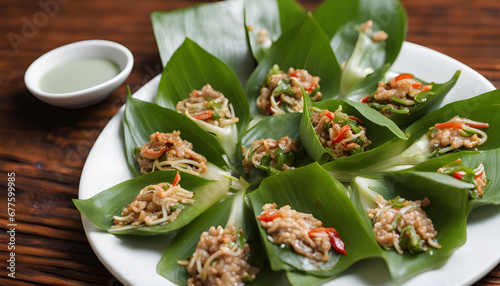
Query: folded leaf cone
(303, 47)
(382, 132)
(427, 101)
(101, 208)
(190, 68)
(448, 211)
(490, 160)
(312, 190)
(142, 119)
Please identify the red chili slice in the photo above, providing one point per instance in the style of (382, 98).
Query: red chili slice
(365, 99)
(204, 115)
(176, 179)
(355, 118)
(484, 125)
(330, 115)
(269, 215)
(311, 87)
(335, 240)
(341, 134)
(153, 153)
(417, 85)
(403, 76)
(446, 125)
(268, 107)
(318, 229)
(269, 110)
(458, 175)
(427, 88)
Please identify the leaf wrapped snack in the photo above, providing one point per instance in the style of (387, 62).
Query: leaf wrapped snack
(231, 211)
(142, 119)
(472, 160)
(274, 127)
(326, 200)
(191, 68)
(403, 111)
(303, 47)
(417, 148)
(104, 206)
(448, 210)
(381, 131)
(481, 109)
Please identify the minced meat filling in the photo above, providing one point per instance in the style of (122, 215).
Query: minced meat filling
(169, 151)
(339, 133)
(403, 225)
(280, 88)
(455, 133)
(155, 204)
(220, 258)
(267, 154)
(376, 36)
(302, 231)
(208, 105)
(451, 137)
(397, 95)
(459, 171)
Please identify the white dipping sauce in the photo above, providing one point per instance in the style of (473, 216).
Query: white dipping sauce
(78, 74)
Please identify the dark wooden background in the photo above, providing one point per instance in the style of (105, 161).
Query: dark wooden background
(47, 146)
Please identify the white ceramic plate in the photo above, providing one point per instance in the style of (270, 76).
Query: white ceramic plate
(132, 260)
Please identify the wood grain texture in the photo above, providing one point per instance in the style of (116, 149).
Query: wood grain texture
(47, 146)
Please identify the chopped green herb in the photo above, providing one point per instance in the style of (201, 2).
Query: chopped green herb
(137, 150)
(327, 125)
(176, 207)
(397, 202)
(215, 116)
(265, 161)
(413, 242)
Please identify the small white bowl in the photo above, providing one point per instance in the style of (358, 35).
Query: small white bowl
(100, 49)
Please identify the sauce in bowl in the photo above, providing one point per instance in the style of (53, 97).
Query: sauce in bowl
(78, 74)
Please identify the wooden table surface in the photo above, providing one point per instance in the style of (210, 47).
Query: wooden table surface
(46, 147)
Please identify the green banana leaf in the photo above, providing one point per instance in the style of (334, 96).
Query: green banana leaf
(231, 210)
(368, 84)
(448, 211)
(416, 149)
(217, 27)
(339, 19)
(280, 15)
(272, 127)
(430, 100)
(490, 159)
(142, 119)
(305, 46)
(366, 57)
(290, 12)
(191, 68)
(311, 190)
(380, 130)
(483, 108)
(101, 208)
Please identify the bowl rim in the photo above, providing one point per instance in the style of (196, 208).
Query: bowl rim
(33, 85)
